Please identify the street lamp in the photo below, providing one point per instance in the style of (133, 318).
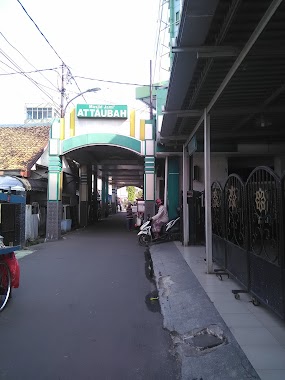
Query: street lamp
(63, 109)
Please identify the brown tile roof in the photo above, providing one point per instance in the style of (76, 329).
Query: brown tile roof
(20, 147)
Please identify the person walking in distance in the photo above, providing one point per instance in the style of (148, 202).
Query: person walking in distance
(130, 217)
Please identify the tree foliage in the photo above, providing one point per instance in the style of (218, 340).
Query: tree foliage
(139, 193)
(131, 193)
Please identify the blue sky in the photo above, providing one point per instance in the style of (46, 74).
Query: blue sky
(110, 40)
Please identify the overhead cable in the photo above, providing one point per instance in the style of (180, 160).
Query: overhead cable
(49, 44)
(40, 30)
(26, 75)
(30, 72)
(110, 81)
(6, 39)
(23, 73)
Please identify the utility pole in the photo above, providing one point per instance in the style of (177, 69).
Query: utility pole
(150, 91)
(62, 91)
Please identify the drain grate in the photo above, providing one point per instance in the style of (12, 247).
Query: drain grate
(199, 341)
(204, 341)
(206, 338)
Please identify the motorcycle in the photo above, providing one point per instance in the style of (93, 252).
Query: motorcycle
(170, 231)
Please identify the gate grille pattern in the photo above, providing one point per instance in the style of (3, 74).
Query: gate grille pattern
(217, 209)
(235, 211)
(264, 202)
(252, 240)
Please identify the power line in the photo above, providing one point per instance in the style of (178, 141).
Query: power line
(27, 60)
(50, 45)
(40, 30)
(158, 34)
(23, 72)
(26, 75)
(29, 72)
(79, 89)
(115, 82)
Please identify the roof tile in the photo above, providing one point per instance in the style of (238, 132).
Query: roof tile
(20, 147)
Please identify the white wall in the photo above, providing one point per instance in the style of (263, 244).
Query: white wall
(43, 160)
(116, 126)
(279, 165)
(31, 224)
(219, 169)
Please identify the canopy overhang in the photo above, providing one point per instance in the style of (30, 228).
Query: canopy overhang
(230, 61)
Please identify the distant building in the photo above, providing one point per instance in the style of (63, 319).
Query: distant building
(40, 112)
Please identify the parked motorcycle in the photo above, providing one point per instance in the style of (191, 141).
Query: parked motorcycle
(170, 231)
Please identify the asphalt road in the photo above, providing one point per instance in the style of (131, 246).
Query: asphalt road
(80, 312)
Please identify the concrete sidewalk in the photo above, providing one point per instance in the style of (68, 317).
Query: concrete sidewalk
(203, 341)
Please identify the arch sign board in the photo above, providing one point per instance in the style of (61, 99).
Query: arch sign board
(102, 111)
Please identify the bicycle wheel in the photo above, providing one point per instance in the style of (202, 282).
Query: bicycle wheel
(5, 284)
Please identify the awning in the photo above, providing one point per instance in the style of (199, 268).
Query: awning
(10, 183)
(22, 184)
(34, 184)
(243, 91)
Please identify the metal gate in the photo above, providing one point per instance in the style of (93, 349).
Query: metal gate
(266, 253)
(248, 234)
(218, 241)
(236, 230)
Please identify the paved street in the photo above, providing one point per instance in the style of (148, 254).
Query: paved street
(80, 312)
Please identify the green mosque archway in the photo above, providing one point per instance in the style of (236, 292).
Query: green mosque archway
(110, 139)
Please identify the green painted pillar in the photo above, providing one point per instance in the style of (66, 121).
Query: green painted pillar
(105, 193)
(94, 195)
(107, 190)
(149, 169)
(107, 196)
(173, 186)
(54, 201)
(114, 199)
(83, 196)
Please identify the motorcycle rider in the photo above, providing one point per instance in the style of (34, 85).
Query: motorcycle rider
(160, 218)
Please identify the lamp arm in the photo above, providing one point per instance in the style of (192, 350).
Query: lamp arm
(77, 96)
(84, 92)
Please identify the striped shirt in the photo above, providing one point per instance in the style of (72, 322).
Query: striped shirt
(129, 212)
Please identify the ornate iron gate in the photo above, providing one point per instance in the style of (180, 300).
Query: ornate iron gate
(235, 229)
(266, 237)
(219, 254)
(248, 234)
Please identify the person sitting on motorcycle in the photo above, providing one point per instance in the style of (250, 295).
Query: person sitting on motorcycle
(160, 218)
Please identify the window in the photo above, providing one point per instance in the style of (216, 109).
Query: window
(38, 113)
(35, 113)
(177, 16)
(29, 113)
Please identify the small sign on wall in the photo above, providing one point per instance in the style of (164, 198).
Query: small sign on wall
(102, 111)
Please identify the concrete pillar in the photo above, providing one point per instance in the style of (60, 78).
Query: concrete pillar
(208, 209)
(20, 216)
(83, 196)
(173, 187)
(94, 194)
(166, 200)
(105, 194)
(107, 190)
(149, 169)
(185, 183)
(114, 199)
(89, 186)
(54, 203)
